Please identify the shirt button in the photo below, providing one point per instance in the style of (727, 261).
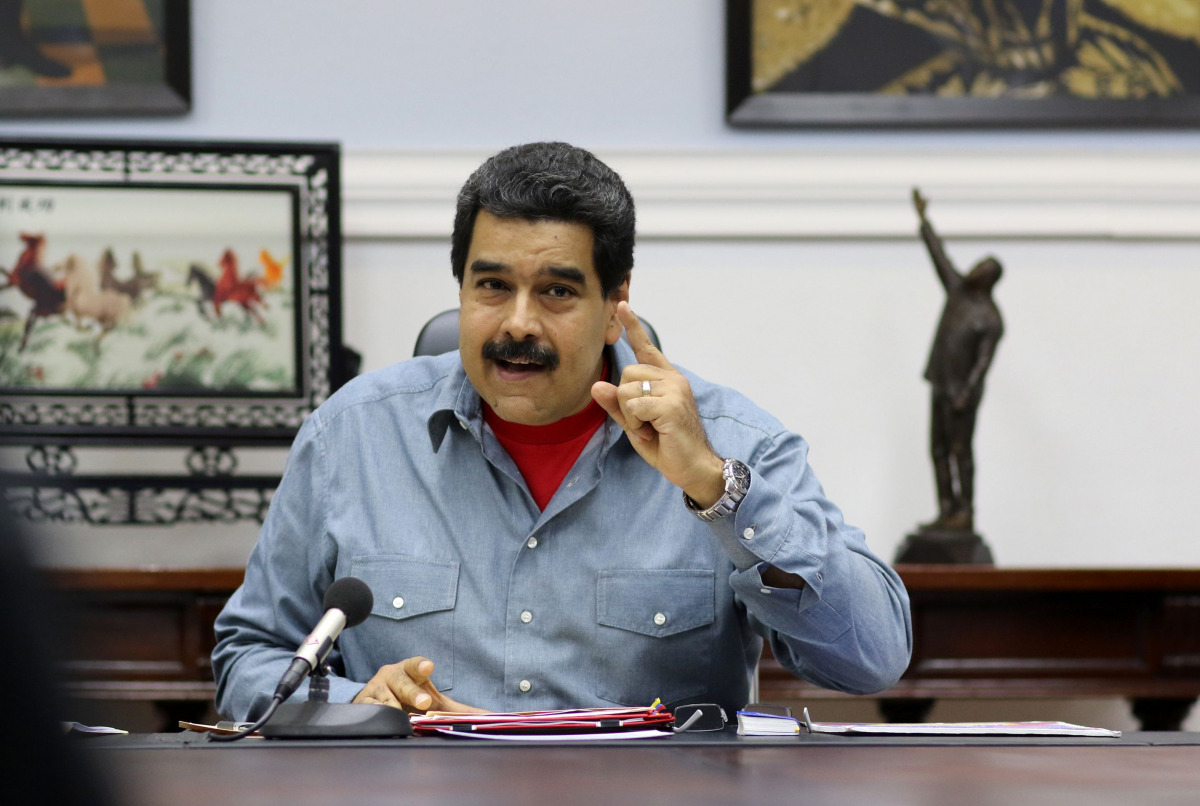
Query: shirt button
(524, 685)
(398, 602)
(748, 533)
(660, 619)
(531, 542)
(462, 424)
(820, 578)
(764, 590)
(526, 616)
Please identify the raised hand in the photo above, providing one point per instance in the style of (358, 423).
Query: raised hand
(654, 405)
(919, 202)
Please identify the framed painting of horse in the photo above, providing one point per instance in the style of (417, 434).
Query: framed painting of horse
(167, 291)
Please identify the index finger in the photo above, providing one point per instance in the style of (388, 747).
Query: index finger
(413, 668)
(639, 339)
(412, 687)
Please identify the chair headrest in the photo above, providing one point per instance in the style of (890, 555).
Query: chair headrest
(440, 334)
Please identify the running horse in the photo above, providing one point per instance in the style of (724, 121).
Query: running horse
(49, 297)
(208, 287)
(242, 290)
(227, 288)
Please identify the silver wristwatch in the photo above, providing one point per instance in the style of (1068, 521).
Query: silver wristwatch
(737, 484)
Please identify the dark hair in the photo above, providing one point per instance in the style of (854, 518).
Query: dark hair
(555, 181)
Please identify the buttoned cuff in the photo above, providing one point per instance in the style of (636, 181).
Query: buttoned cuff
(758, 530)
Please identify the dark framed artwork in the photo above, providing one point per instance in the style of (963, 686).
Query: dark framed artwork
(981, 63)
(77, 58)
(173, 293)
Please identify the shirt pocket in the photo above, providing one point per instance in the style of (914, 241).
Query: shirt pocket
(654, 634)
(414, 601)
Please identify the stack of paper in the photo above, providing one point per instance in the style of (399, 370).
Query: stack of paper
(958, 728)
(962, 729)
(751, 723)
(524, 723)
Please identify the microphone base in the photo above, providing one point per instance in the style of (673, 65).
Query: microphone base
(323, 720)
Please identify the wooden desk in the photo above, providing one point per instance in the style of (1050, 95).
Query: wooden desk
(979, 633)
(815, 775)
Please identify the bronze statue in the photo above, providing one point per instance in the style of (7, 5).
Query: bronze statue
(962, 352)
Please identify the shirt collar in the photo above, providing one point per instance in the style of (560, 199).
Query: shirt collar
(457, 404)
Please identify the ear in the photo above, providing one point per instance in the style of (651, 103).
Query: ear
(614, 328)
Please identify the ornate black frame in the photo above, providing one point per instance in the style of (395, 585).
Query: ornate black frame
(747, 109)
(54, 424)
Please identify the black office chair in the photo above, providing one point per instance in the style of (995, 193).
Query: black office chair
(440, 334)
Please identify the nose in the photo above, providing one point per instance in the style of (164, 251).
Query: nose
(523, 318)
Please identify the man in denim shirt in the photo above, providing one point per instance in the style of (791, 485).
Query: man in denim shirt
(516, 506)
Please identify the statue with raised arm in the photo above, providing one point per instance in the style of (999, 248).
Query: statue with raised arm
(962, 352)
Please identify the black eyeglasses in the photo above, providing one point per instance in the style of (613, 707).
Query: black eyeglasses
(699, 716)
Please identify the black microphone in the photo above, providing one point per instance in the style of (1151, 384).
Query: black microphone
(347, 603)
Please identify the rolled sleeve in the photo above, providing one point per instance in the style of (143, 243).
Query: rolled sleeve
(849, 628)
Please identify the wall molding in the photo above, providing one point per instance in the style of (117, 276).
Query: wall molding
(826, 195)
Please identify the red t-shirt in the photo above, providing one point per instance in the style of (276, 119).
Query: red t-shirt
(545, 453)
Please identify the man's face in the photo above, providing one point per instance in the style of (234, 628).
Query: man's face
(533, 321)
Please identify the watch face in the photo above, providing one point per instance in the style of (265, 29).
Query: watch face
(738, 474)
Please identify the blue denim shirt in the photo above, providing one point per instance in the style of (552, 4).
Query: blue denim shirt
(616, 593)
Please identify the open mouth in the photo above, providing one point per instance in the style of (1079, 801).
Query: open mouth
(520, 359)
(520, 367)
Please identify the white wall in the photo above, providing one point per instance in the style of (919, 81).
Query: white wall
(797, 276)
(784, 263)
(1084, 448)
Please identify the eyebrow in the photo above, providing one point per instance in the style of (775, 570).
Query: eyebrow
(566, 273)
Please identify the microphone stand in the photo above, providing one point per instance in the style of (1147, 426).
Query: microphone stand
(320, 719)
(318, 684)
(347, 603)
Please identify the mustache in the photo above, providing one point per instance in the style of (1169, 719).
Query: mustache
(521, 351)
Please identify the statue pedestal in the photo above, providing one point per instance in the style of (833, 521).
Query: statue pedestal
(952, 546)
